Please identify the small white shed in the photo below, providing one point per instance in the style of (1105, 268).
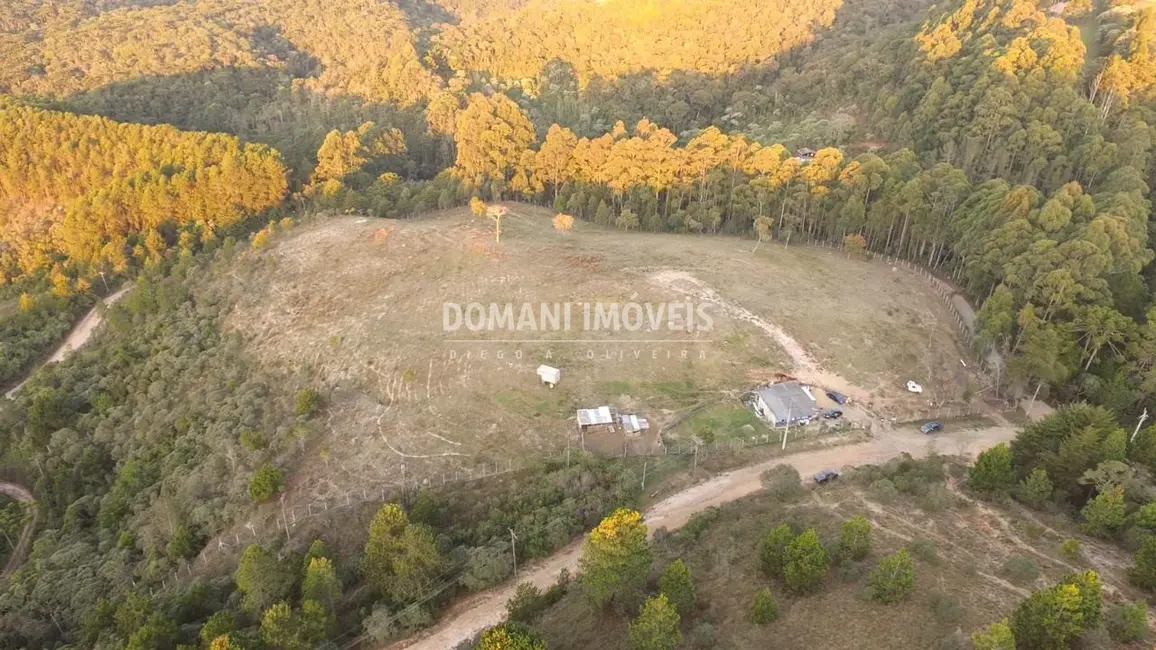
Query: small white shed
(550, 376)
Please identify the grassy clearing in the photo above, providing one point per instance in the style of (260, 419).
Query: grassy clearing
(356, 307)
(724, 422)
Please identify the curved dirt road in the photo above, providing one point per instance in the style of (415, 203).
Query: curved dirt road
(79, 334)
(489, 607)
(20, 493)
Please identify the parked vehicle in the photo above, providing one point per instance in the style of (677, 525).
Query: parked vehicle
(838, 398)
(914, 387)
(826, 475)
(832, 414)
(931, 427)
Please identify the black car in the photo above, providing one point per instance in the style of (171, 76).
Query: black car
(931, 427)
(838, 398)
(832, 414)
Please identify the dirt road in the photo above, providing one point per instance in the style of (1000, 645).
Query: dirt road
(79, 335)
(20, 493)
(489, 608)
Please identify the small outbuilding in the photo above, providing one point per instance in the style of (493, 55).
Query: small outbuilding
(601, 416)
(784, 404)
(549, 375)
(632, 423)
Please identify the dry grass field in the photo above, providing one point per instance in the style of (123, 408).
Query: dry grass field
(354, 307)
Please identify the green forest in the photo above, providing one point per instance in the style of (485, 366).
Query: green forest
(1005, 145)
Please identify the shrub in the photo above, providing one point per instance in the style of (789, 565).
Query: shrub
(252, 440)
(510, 636)
(485, 567)
(783, 482)
(1036, 489)
(997, 637)
(677, 586)
(267, 481)
(937, 498)
(894, 578)
(526, 604)
(1020, 569)
(773, 550)
(698, 524)
(851, 571)
(924, 549)
(946, 609)
(883, 491)
(1128, 622)
(807, 563)
(855, 538)
(992, 473)
(307, 402)
(704, 635)
(1070, 549)
(764, 609)
(563, 222)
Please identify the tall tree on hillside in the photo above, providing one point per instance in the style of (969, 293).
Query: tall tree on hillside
(615, 558)
(492, 134)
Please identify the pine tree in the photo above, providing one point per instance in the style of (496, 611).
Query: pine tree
(656, 627)
(855, 538)
(616, 557)
(678, 587)
(893, 579)
(807, 563)
(992, 472)
(773, 550)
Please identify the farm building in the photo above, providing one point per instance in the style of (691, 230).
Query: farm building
(785, 403)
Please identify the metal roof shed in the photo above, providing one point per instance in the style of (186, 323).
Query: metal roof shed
(590, 417)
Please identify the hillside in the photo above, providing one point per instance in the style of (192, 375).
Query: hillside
(356, 305)
(284, 437)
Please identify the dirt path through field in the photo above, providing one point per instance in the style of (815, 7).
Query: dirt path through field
(489, 607)
(79, 335)
(806, 368)
(20, 493)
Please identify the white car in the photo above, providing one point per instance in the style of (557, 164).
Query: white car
(914, 387)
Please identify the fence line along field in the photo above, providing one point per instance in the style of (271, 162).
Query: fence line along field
(355, 306)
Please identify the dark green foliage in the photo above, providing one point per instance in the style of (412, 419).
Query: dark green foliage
(806, 564)
(773, 550)
(1067, 443)
(893, 579)
(763, 609)
(218, 624)
(180, 543)
(992, 472)
(266, 482)
(678, 587)
(1128, 622)
(486, 566)
(261, 579)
